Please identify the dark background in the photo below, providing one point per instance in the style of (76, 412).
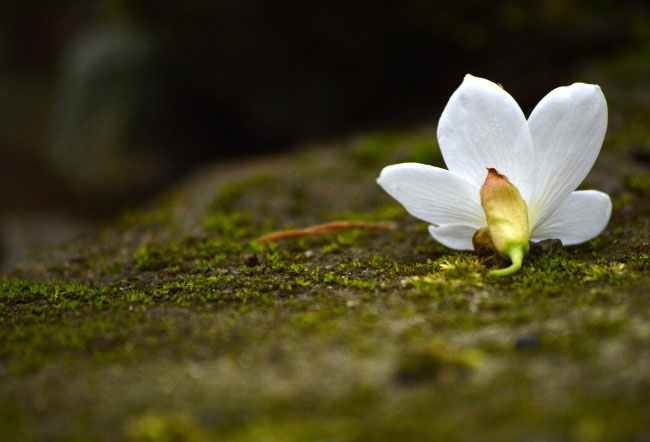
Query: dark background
(106, 102)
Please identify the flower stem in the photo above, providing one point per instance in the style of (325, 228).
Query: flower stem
(516, 255)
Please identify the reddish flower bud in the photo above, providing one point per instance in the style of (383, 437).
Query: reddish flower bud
(507, 218)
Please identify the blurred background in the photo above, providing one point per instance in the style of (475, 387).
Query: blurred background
(104, 103)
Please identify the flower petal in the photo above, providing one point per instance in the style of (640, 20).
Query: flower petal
(568, 127)
(454, 236)
(580, 217)
(432, 194)
(482, 126)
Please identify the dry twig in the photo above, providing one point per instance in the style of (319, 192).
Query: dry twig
(323, 229)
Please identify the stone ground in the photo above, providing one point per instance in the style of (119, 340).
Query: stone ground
(172, 324)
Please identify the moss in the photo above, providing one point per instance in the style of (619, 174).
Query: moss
(392, 147)
(435, 361)
(640, 182)
(150, 258)
(228, 225)
(160, 216)
(232, 192)
(158, 427)
(451, 273)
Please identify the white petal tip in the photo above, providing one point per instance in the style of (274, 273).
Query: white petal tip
(581, 217)
(471, 80)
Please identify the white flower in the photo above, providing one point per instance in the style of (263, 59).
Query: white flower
(545, 158)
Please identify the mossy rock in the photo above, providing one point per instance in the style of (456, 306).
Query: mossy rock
(174, 324)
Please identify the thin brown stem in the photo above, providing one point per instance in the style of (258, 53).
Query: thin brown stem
(324, 229)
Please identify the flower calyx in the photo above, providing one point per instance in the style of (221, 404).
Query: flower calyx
(507, 230)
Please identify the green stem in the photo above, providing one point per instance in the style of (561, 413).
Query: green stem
(516, 255)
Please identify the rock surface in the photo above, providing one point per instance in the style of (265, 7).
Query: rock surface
(173, 324)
